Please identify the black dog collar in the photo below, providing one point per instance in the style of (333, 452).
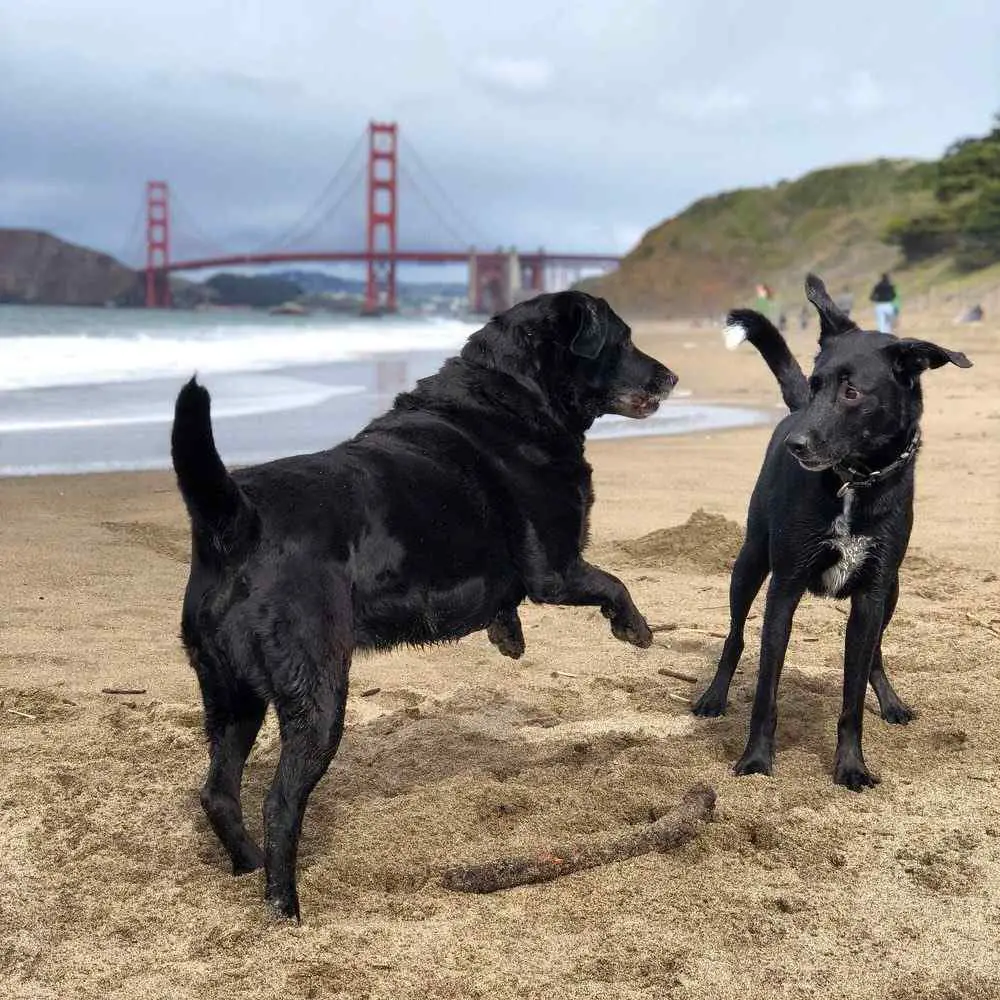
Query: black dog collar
(856, 480)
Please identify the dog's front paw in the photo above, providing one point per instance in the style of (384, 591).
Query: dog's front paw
(755, 760)
(507, 636)
(898, 713)
(632, 629)
(250, 859)
(851, 772)
(284, 907)
(710, 705)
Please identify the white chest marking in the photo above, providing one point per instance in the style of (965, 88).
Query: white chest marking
(852, 550)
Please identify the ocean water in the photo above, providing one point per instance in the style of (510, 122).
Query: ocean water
(85, 390)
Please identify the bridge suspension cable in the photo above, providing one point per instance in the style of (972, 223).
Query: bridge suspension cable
(291, 234)
(301, 238)
(185, 225)
(442, 220)
(471, 231)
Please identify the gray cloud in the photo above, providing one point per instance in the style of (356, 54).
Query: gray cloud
(574, 127)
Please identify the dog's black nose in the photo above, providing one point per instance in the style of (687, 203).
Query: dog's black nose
(797, 444)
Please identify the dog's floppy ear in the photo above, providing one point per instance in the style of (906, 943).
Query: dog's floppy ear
(832, 321)
(911, 357)
(590, 317)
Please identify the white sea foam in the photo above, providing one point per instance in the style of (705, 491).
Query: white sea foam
(240, 396)
(119, 354)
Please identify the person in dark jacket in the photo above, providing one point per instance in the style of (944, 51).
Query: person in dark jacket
(884, 297)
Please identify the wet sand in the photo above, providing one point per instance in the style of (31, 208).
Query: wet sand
(112, 885)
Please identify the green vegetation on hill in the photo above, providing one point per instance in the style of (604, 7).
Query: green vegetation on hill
(847, 223)
(965, 218)
(832, 221)
(261, 291)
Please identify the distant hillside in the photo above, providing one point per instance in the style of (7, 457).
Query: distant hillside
(319, 282)
(832, 221)
(38, 268)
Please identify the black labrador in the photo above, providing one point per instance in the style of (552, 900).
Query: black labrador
(436, 521)
(831, 513)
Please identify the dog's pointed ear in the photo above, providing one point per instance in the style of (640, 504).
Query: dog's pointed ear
(588, 318)
(910, 357)
(832, 321)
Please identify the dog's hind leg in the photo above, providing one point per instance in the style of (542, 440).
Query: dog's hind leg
(307, 657)
(749, 572)
(506, 634)
(892, 707)
(782, 599)
(232, 720)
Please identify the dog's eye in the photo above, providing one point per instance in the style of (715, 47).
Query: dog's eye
(849, 394)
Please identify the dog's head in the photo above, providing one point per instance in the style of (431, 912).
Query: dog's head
(865, 400)
(579, 352)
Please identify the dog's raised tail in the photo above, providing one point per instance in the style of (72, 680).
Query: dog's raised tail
(745, 324)
(222, 518)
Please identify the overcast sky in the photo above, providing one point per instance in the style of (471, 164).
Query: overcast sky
(574, 125)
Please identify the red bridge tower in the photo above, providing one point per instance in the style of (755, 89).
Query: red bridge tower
(157, 244)
(380, 293)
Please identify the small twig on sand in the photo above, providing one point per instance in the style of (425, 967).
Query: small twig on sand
(24, 715)
(123, 690)
(675, 828)
(368, 692)
(563, 673)
(679, 697)
(869, 707)
(678, 675)
(840, 610)
(673, 627)
(982, 624)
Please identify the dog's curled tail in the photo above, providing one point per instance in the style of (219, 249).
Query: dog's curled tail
(223, 520)
(745, 324)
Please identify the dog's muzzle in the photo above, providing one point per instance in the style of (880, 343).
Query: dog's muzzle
(640, 403)
(803, 451)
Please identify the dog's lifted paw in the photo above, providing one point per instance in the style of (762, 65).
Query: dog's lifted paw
(506, 634)
(853, 774)
(898, 713)
(710, 705)
(633, 630)
(754, 761)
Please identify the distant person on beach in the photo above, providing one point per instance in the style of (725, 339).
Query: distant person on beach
(764, 299)
(885, 297)
(845, 301)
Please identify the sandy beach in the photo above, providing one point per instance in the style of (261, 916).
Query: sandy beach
(112, 884)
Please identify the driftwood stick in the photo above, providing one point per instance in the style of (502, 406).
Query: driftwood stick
(678, 675)
(976, 620)
(675, 828)
(123, 690)
(23, 715)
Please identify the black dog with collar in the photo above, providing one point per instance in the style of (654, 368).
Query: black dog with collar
(831, 513)
(437, 520)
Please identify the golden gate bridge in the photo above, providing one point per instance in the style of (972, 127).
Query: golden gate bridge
(495, 279)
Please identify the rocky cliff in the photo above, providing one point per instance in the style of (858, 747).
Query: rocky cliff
(40, 269)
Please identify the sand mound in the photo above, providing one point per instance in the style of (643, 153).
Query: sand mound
(706, 542)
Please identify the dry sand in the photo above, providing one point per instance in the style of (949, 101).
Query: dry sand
(112, 885)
